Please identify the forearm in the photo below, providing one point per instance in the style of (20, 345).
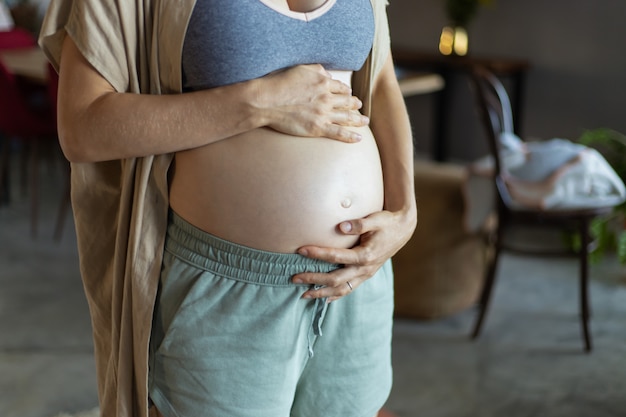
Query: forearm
(122, 125)
(98, 123)
(391, 127)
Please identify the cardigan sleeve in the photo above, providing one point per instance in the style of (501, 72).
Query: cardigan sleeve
(99, 31)
(382, 42)
(120, 207)
(363, 80)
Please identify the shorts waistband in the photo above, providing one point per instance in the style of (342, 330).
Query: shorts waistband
(228, 259)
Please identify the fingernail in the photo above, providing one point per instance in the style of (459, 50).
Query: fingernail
(297, 281)
(345, 227)
(357, 137)
(303, 252)
(307, 295)
(365, 119)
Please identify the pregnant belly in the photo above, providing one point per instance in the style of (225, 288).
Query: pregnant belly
(275, 192)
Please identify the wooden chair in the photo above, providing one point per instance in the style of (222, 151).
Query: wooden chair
(32, 125)
(16, 38)
(495, 112)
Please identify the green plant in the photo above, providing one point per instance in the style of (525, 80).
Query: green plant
(460, 12)
(608, 232)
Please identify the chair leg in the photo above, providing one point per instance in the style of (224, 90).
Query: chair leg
(24, 167)
(29, 166)
(485, 296)
(34, 186)
(584, 283)
(4, 170)
(63, 206)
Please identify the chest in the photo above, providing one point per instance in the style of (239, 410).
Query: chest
(295, 5)
(229, 41)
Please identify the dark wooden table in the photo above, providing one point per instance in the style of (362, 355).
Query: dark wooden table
(30, 63)
(448, 66)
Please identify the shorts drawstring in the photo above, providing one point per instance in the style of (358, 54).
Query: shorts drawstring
(319, 311)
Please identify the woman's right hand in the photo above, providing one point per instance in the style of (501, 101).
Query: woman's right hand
(306, 101)
(99, 123)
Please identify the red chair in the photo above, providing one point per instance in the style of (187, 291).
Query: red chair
(16, 38)
(20, 120)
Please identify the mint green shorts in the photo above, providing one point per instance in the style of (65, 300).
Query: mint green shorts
(232, 336)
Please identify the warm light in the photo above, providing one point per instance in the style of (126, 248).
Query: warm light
(446, 41)
(460, 41)
(453, 40)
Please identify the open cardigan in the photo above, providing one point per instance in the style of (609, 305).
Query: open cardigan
(120, 207)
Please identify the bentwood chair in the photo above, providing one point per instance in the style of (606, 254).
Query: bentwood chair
(495, 113)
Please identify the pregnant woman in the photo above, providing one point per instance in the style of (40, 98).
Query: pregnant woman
(242, 175)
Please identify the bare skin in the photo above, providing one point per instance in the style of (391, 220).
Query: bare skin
(265, 190)
(398, 219)
(96, 122)
(298, 5)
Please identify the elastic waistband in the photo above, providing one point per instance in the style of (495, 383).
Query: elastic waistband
(235, 261)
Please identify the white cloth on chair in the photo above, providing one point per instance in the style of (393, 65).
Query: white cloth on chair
(554, 174)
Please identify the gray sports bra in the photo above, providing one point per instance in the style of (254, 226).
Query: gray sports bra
(230, 41)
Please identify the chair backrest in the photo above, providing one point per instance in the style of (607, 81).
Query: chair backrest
(494, 109)
(11, 102)
(17, 38)
(16, 117)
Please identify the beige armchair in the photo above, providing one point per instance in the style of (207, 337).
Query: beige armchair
(441, 270)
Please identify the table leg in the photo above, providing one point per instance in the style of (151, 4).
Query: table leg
(440, 134)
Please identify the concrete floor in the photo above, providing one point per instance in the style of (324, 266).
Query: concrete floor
(529, 361)
(46, 360)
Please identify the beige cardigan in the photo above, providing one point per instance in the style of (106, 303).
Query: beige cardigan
(120, 207)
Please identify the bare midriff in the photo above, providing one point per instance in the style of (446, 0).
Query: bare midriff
(276, 192)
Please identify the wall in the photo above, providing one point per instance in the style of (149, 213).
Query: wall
(576, 49)
(28, 14)
(578, 76)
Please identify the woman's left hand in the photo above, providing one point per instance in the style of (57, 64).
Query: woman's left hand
(382, 234)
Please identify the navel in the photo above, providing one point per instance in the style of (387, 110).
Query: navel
(346, 203)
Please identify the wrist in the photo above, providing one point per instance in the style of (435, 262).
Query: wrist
(406, 213)
(257, 103)
(409, 215)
